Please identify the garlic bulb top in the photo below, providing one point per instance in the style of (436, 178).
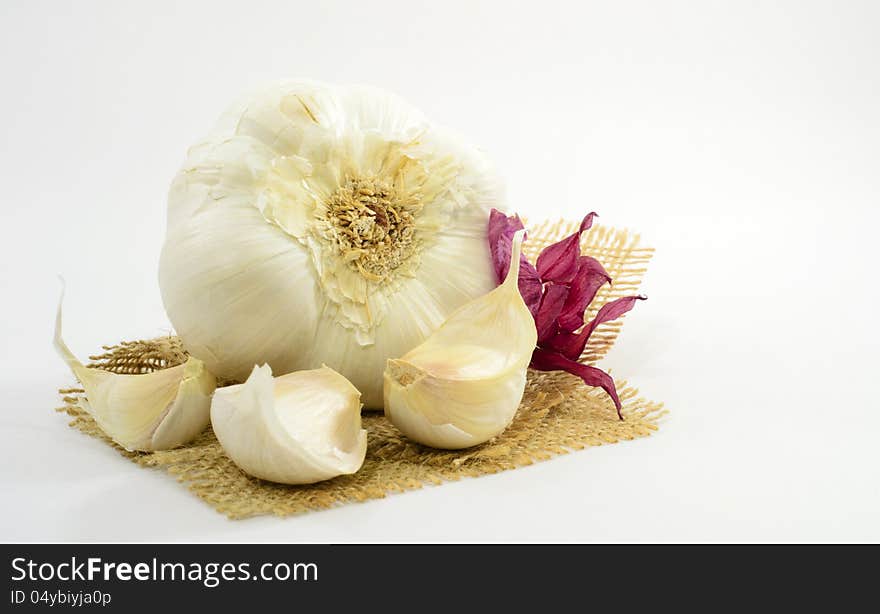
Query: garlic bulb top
(323, 224)
(463, 384)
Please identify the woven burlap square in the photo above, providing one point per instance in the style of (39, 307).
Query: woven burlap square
(558, 414)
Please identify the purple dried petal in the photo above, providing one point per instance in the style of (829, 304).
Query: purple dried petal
(499, 223)
(572, 345)
(542, 360)
(501, 231)
(589, 278)
(529, 285)
(551, 304)
(559, 261)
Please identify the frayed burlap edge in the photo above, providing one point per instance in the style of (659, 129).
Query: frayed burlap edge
(558, 414)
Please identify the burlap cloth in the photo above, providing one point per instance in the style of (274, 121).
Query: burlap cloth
(558, 414)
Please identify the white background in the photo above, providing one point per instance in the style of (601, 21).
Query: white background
(741, 140)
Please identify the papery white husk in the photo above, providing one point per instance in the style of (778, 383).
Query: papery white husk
(298, 428)
(247, 276)
(463, 384)
(145, 412)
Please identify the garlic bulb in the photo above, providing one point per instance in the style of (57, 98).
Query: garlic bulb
(323, 225)
(299, 428)
(463, 384)
(151, 411)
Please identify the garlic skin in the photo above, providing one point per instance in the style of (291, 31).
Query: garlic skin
(144, 412)
(323, 224)
(300, 428)
(463, 384)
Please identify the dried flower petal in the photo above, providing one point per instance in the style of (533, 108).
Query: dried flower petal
(542, 360)
(571, 345)
(554, 298)
(499, 223)
(589, 278)
(559, 261)
(501, 231)
(558, 291)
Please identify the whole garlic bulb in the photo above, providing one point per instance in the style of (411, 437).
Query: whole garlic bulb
(323, 225)
(298, 428)
(463, 384)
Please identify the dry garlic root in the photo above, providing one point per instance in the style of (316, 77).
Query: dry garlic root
(299, 428)
(145, 412)
(464, 383)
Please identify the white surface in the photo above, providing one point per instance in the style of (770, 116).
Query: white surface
(741, 139)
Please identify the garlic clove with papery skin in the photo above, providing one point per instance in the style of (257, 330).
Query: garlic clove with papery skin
(144, 412)
(463, 384)
(299, 428)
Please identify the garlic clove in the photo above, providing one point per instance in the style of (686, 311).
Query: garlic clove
(463, 384)
(145, 412)
(298, 428)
